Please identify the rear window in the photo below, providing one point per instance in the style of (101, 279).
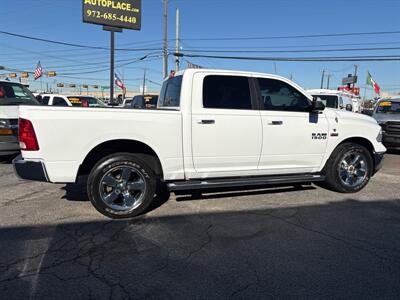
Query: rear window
(170, 92)
(16, 94)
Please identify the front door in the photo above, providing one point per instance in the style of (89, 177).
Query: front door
(294, 140)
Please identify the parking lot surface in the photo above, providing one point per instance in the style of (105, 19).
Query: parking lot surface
(267, 243)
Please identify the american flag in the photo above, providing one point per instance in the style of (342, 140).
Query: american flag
(119, 82)
(38, 71)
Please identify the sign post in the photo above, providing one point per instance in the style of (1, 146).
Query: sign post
(114, 15)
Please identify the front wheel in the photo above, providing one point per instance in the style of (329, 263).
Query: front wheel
(121, 186)
(349, 168)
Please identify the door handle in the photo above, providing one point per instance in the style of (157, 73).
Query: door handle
(206, 122)
(276, 123)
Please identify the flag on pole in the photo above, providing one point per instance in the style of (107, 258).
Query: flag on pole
(119, 82)
(372, 83)
(38, 72)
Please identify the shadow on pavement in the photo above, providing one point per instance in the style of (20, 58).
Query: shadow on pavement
(239, 192)
(393, 151)
(7, 159)
(339, 250)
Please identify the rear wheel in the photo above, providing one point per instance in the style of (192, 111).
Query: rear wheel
(349, 168)
(121, 186)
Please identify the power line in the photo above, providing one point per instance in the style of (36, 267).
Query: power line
(300, 59)
(293, 46)
(294, 51)
(74, 45)
(293, 36)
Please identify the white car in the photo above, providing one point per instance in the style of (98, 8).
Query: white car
(71, 100)
(335, 99)
(212, 129)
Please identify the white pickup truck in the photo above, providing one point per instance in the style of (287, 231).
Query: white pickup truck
(212, 129)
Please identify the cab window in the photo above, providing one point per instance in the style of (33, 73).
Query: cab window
(58, 101)
(45, 100)
(280, 96)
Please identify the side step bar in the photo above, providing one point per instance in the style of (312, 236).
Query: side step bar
(242, 181)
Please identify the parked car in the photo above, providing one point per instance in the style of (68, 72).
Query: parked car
(334, 99)
(387, 114)
(211, 129)
(12, 95)
(71, 100)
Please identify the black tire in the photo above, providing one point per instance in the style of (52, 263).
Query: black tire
(107, 170)
(340, 177)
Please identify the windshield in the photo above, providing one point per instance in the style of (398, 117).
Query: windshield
(15, 94)
(329, 100)
(388, 107)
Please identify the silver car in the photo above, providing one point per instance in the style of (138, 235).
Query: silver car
(387, 114)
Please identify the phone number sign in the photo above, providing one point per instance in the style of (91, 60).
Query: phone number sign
(122, 14)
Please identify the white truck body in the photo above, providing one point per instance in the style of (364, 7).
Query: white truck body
(240, 143)
(195, 143)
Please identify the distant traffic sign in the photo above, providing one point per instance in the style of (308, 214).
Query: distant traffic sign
(115, 13)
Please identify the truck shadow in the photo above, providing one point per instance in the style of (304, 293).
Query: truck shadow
(337, 250)
(78, 192)
(239, 192)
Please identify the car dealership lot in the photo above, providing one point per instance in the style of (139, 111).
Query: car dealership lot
(280, 242)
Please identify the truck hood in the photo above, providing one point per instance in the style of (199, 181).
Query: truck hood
(343, 114)
(383, 118)
(8, 112)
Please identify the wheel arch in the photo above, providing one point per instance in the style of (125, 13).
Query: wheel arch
(356, 140)
(106, 148)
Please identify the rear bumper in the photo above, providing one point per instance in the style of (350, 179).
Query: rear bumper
(30, 170)
(378, 161)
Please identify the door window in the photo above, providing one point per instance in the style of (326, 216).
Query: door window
(57, 101)
(278, 95)
(45, 100)
(226, 92)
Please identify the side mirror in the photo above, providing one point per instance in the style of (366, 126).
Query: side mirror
(317, 105)
(349, 107)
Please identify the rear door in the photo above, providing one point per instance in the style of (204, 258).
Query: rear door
(226, 128)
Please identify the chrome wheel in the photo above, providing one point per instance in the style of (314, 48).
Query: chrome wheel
(353, 169)
(123, 188)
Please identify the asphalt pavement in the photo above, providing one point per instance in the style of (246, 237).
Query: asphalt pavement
(278, 243)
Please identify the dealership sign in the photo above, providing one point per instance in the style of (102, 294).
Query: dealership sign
(353, 90)
(114, 13)
(349, 80)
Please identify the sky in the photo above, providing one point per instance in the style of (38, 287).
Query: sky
(211, 26)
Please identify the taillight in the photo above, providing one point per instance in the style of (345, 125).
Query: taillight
(27, 136)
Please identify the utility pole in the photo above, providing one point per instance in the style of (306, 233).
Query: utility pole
(322, 78)
(144, 81)
(177, 19)
(275, 67)
(165, 38)
(355, 74)
(329, 79)
(112, 67)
